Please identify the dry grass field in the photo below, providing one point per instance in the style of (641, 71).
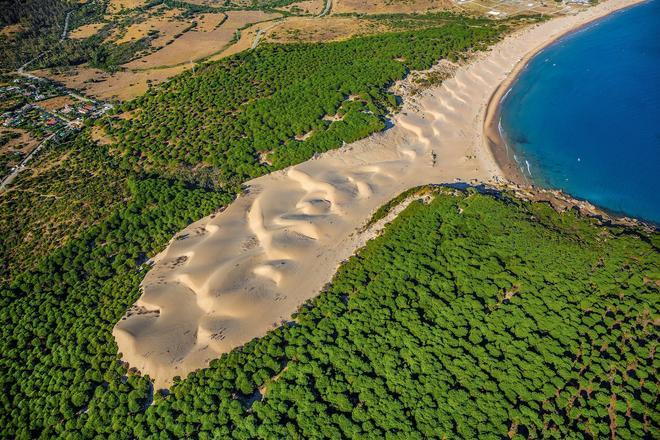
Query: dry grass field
(85, 31)
(12, 29)
(318, 29)
(167, 22)
(55, 103)
(312, 7)
(390, 6)
(116, 6)
(198, 44)
(507, 8)
(122, 85)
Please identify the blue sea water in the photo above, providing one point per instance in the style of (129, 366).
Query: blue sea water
(584, 116)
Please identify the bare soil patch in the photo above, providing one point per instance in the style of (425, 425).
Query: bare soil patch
(20, 144)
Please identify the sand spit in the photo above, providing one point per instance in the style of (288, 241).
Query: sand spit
(232, 276)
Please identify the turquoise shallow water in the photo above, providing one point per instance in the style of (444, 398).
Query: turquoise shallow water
(584, 116)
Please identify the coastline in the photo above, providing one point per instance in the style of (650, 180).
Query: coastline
(491, 130)
(236, 274)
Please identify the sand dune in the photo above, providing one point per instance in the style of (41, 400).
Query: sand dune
(232, 276)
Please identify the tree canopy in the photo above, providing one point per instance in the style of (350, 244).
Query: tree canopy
(475, 316)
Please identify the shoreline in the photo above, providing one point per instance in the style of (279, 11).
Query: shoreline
(491, 130)
(237, 274)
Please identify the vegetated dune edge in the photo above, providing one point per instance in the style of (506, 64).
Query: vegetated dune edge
(234, 275)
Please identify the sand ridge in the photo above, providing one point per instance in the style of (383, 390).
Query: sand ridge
(234, 275)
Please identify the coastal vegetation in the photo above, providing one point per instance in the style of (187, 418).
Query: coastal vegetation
(475, 316)
(471, 317)
(284, 103)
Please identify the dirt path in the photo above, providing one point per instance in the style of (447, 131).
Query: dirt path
(326, 10)
(20, 167)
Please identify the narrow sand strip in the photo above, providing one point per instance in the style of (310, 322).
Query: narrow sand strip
(231, 277)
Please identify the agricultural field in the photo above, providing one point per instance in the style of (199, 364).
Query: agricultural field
(212, 34)
(305, 7)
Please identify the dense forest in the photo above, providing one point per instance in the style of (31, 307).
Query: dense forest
(476, 316)
(246, 112)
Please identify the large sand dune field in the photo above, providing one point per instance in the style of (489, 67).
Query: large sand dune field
(234, 275)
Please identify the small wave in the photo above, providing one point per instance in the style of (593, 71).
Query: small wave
(505, 95)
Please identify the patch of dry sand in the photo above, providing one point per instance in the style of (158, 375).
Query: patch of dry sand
(232, 276)
(196, 44)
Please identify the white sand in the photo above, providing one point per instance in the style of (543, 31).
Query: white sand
(231, 277)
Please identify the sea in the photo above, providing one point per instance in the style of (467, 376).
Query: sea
(584, 115)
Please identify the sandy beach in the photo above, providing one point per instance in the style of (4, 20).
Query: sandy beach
(234, 275)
